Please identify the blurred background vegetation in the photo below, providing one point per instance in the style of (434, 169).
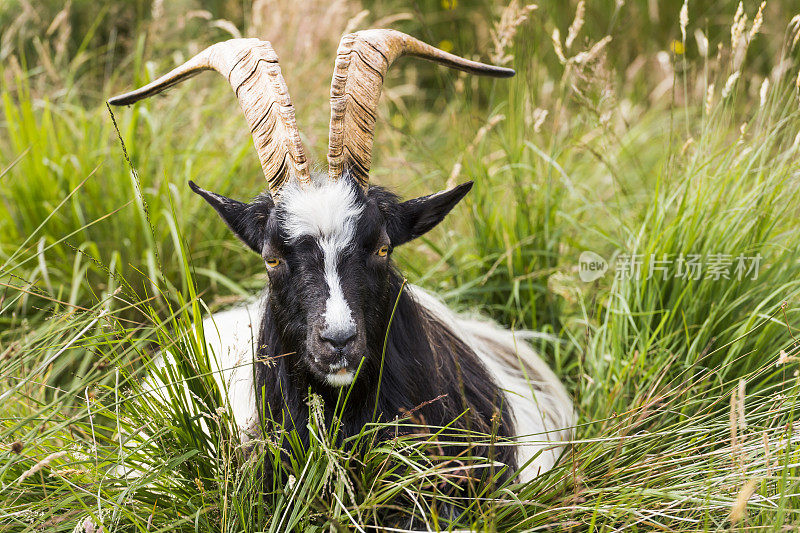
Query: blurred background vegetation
(61, 61)
(629, 128)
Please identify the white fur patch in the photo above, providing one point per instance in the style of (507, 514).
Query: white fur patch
(340, 379)
(231, 336)
(328, 212)
(231, 339)
(323, 210)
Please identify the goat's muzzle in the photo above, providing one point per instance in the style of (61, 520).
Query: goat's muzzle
(334, 355)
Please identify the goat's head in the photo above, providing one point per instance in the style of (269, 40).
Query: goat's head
(326, 240)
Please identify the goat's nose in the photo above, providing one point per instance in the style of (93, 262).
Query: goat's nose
(338, 339)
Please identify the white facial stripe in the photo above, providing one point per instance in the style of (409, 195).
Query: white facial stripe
(328, 212)
(338, 316)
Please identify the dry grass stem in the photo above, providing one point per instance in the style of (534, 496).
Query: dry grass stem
(227, 26)
(482, 132)
(742, 421)
(355, 22)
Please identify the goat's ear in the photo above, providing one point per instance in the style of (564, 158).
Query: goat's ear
(408, 220)
(247, 221)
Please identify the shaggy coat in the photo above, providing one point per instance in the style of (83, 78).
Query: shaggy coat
(337, 315)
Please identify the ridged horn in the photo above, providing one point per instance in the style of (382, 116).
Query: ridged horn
(251, 67)
(361, 64)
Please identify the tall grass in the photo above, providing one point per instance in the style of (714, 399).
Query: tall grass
(686, 388)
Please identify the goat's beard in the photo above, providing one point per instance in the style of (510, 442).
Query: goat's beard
(341, 372)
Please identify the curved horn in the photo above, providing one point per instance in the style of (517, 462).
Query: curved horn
(251, 67)
(361, 64)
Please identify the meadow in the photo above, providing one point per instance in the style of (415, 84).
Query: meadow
(663, 137)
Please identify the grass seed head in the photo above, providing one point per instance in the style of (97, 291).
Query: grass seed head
(702, 42)
(576, 25)
(762, 93)
(539, 116)
(737, 28)
(44, 463)
(794, 30)
(758, 21)
(157, 9)
(505, 30)
(684, 19)
(784, 357)
(730, 83)
(66, 472)
(556, 37)
(740, 505)
(591, 54)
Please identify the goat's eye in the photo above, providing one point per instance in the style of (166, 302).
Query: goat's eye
(383, 251)
(272, 262)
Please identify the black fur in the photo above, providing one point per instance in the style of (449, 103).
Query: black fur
(247, 221)
(408, 220)
(427, 370)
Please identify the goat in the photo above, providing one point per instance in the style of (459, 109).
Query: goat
(336, 313)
